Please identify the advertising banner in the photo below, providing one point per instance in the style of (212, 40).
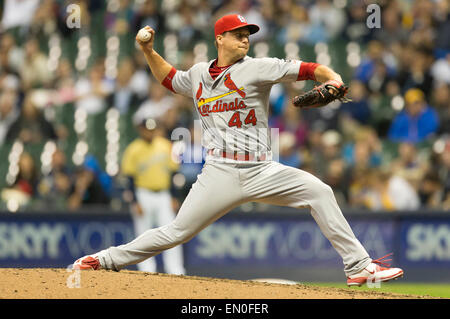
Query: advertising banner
(56, 241)
(425, 243)
(272, 242)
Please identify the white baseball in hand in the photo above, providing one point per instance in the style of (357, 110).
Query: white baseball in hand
(144, 35)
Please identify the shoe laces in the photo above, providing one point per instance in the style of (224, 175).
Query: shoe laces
(383, 261)
(92, 261)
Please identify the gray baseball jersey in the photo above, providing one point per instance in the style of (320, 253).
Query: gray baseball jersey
(234, 107)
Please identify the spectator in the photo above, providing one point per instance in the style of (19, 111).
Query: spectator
(157, 103)
(392, 30)
(91, 164)
(92, 91)
(381, 78)
(192, 160)
(10, 82)
(423, 31)
(61, 99)
(140, 80)
(86, 190)
(297, 28)
(118, 20)
(278, 98)
(365, 150)
(31, 126)
(148, 14)
(361, 159)
(28, 176)
(358, 108)
(443, 169)
(337, 177)
(14, 54)
(386, 192)
(184, 111)
(330, 149)
(323, 14)
(403, 53)
(69, 34)
(9, 112)
(441, 98)
(123, 97)
(44, 19)
(34, 71)
(409, 164)
(64, 83)
(313, 149)
(289, 154)
(356, 28)
(54, 188)
(291, 121)
(326, 117)
(417, 74)
(417, 122)
(22, 189)
(374, 64)
(401, 193)
(359, 189)
(18, 14)
(182, 22)
(431, 191)
(282, 11)
(442, 41)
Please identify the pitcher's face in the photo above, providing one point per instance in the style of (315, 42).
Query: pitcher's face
(235, 41)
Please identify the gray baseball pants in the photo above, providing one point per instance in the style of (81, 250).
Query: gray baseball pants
(223, 186)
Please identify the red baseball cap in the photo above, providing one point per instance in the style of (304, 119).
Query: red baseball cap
(232, 22)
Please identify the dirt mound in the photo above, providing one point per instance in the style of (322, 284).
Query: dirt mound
(49, 283)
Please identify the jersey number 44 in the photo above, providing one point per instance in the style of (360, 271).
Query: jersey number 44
(235, 119)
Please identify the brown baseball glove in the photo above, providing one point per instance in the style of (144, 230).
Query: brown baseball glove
(322, 95)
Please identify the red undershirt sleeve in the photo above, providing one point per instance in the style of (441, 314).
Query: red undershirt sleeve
(167, 82)
(306, 71)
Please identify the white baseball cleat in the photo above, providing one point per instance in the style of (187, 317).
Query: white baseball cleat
(376, 271)
(89, 262)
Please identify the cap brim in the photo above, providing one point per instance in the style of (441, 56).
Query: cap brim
(253, 28)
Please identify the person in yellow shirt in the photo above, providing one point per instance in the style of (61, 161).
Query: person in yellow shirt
(148, 164)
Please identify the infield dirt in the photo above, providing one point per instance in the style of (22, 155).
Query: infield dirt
(51, 283)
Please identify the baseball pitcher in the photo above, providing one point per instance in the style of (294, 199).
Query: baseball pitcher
(231, 95)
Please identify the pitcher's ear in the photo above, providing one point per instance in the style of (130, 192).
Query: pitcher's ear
(219, 38)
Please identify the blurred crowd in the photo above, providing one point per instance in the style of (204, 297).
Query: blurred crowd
(386, 150)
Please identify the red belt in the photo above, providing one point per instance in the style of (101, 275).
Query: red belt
(246, 156)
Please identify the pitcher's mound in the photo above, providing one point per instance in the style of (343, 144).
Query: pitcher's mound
(49, 283)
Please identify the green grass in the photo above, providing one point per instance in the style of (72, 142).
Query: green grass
(420, 289)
